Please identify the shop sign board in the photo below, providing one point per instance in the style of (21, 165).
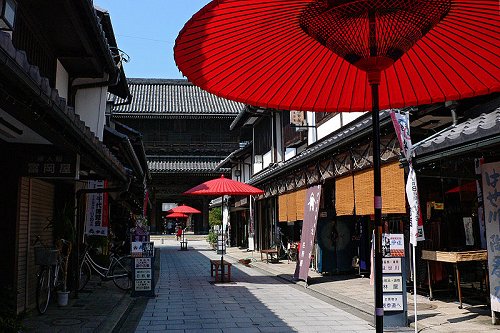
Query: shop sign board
(393, 302)
(136, 249)
(392, 283)
(143, 270)
(142, 285)
(142, 263)
(393, 245)
(491, 199)
(391, 265)
(97, 217)
(143, 274)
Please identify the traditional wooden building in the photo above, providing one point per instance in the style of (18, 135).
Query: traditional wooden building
(185, 134)
(56, 69)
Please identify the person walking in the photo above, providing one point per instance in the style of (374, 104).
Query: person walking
(179, 233)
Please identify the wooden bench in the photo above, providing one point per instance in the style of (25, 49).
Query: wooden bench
(215, 266)
(269, 254)
(184, 246)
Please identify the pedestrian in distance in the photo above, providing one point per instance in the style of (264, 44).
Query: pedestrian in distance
(179, 233)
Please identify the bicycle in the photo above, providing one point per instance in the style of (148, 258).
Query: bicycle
(119, 270)
(48, 277)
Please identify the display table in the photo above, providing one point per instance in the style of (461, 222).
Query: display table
(453, 258)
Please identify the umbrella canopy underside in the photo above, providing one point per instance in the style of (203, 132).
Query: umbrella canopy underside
(257, 52)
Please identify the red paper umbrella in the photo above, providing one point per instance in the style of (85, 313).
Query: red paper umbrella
(185, 209)
(314, 55)
(344, 55)
(177, 216)
(224, 186)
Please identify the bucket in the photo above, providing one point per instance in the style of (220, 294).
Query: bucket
(62, 298)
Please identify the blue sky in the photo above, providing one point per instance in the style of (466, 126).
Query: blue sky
(146, 31)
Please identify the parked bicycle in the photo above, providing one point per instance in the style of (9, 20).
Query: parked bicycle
(119, 270)
(48, 278)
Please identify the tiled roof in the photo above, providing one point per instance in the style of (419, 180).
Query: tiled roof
(485, 126)
(60, 110)
(360, 126)
(183, 164)
(169, 97)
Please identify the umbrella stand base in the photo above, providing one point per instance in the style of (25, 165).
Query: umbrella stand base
(184, 246)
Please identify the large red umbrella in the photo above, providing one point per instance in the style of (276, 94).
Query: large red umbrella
(220, 187)
(223, 186)
(344, 55)
(185, 209)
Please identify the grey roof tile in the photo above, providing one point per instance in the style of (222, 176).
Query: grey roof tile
(182, 164)
(169, 97)
(481, 127)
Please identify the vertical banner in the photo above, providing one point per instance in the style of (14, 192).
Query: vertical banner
(251, 227)
(96, 217)
(311, 208)
(491, 199)
(401, 122)
(145, 204)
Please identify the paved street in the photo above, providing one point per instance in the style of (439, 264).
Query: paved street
(188, 301)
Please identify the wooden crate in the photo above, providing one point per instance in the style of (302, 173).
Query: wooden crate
(453, 257)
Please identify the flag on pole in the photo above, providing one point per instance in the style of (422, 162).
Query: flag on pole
(401, 122)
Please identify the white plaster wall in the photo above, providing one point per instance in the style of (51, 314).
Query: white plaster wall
(312, 133)
(289, 153)
(62, 81)
(267, 159)
(90, 104)
(336, 122)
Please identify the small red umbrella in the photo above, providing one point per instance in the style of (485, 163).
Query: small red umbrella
(220, 187)
(224, 186)
(177, 215)
(185, 209)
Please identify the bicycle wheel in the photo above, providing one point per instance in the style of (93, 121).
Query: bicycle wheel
(84, 275)
(121, 271)
(43, 288)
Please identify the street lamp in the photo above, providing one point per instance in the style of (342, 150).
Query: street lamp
(7, 14)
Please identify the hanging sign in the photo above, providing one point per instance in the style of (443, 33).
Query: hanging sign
(44, 162)
(96, 217)
(491, 199)
(313, 196)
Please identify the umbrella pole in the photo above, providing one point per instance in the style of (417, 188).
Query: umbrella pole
(377, 191)
(223, 245)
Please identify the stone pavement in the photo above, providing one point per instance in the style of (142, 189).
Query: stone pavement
(433, 316)
(188, 301)
(261, 295)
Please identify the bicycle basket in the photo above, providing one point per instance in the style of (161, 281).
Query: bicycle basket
(45, 256)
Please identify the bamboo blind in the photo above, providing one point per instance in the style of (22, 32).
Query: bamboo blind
(344, 196)
(282, 208)
(393, 190)
(300, 200)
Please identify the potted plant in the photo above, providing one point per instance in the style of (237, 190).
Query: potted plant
(64, 234)
(214, 220)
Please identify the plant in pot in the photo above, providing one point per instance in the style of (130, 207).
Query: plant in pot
(64, 234)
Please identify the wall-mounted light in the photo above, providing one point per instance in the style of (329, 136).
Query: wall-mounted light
(7, 14)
